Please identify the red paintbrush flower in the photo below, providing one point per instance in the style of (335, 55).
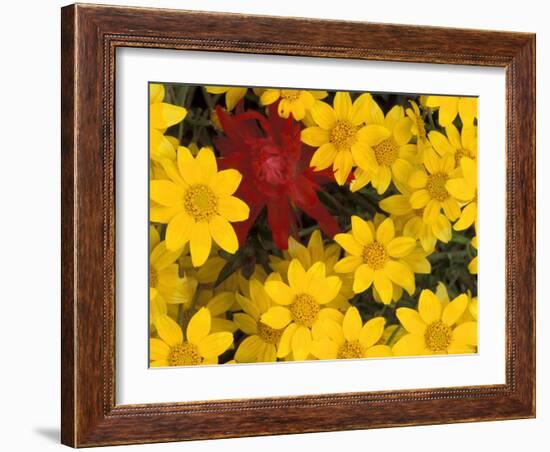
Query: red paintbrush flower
(276, 172)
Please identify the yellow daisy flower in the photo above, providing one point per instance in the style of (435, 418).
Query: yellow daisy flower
(162, 116)
(432, 329)
(233, 94)
(199, 346)
(411, 221)
(463, 144)
(261, 343)
(375, 256)
(157, 307)
(465, 190)
(300, 307)
(389, 152)
(294, 101)
(164, 275)
(429, 185)
(316, 251)
(197, 204)
(339, 134)
(351, 339)
(450, 106)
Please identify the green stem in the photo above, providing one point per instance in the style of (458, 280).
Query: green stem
(392, 335)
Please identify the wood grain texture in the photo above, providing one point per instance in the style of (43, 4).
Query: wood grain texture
(90, 36)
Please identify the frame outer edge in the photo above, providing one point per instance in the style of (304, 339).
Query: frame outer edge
(68, 230)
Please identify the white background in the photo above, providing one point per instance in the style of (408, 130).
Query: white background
(138, 384)
(29, 394)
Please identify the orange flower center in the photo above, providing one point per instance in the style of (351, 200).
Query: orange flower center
(436, 186)
(304, 310)
(200, 202)
(438, 336)
(342, 134)
(386, 152)
(268, 334)
(350, 350)
(375, 255)
(185, 354)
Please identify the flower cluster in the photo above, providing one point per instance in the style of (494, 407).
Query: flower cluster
(291, 225)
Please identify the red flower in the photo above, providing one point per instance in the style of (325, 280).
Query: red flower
(276, 172)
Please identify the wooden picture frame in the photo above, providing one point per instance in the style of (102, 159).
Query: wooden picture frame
(90, 36)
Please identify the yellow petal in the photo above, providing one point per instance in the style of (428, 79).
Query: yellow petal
(201, 243)
(431, 211)
(324, 348)
(233, 96)
(166, 193)
(385, 232)
(466, 333)
(296, 276)
(188, 167)
(342, 166)
(420, 199)
(158, 349)
(440, 143)
(221, 303)
(401, 275)
(348, 242)
(178, 231)
(168, 330)
(276, 317)
(215, 344)
(467, 217)
(364, 157)
(409, 345)
(352, 324)
(323, 115)
(401, 246)
(207, 163)
(268, 97)
(455, 309)
(348, 264)
(467, 108)
(163, 115)
(156, 93)
(245, 323)
(363, 278)
(284, 347)
(342, 105)
(361, 230)
(373, 134)
(372, 331)
(402, 131)
(411, 320)
(233, 209)
(429, 307)
(324, 156)
(301, 343)
(223, 234)
(248, 306)
(279, 292)
(315, 136)
(199, 326)
(226, 182)
(249, 350)
(378, 351)
(383, 285)
(333, 330)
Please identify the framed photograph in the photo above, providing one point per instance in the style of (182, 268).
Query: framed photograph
(282, 225)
